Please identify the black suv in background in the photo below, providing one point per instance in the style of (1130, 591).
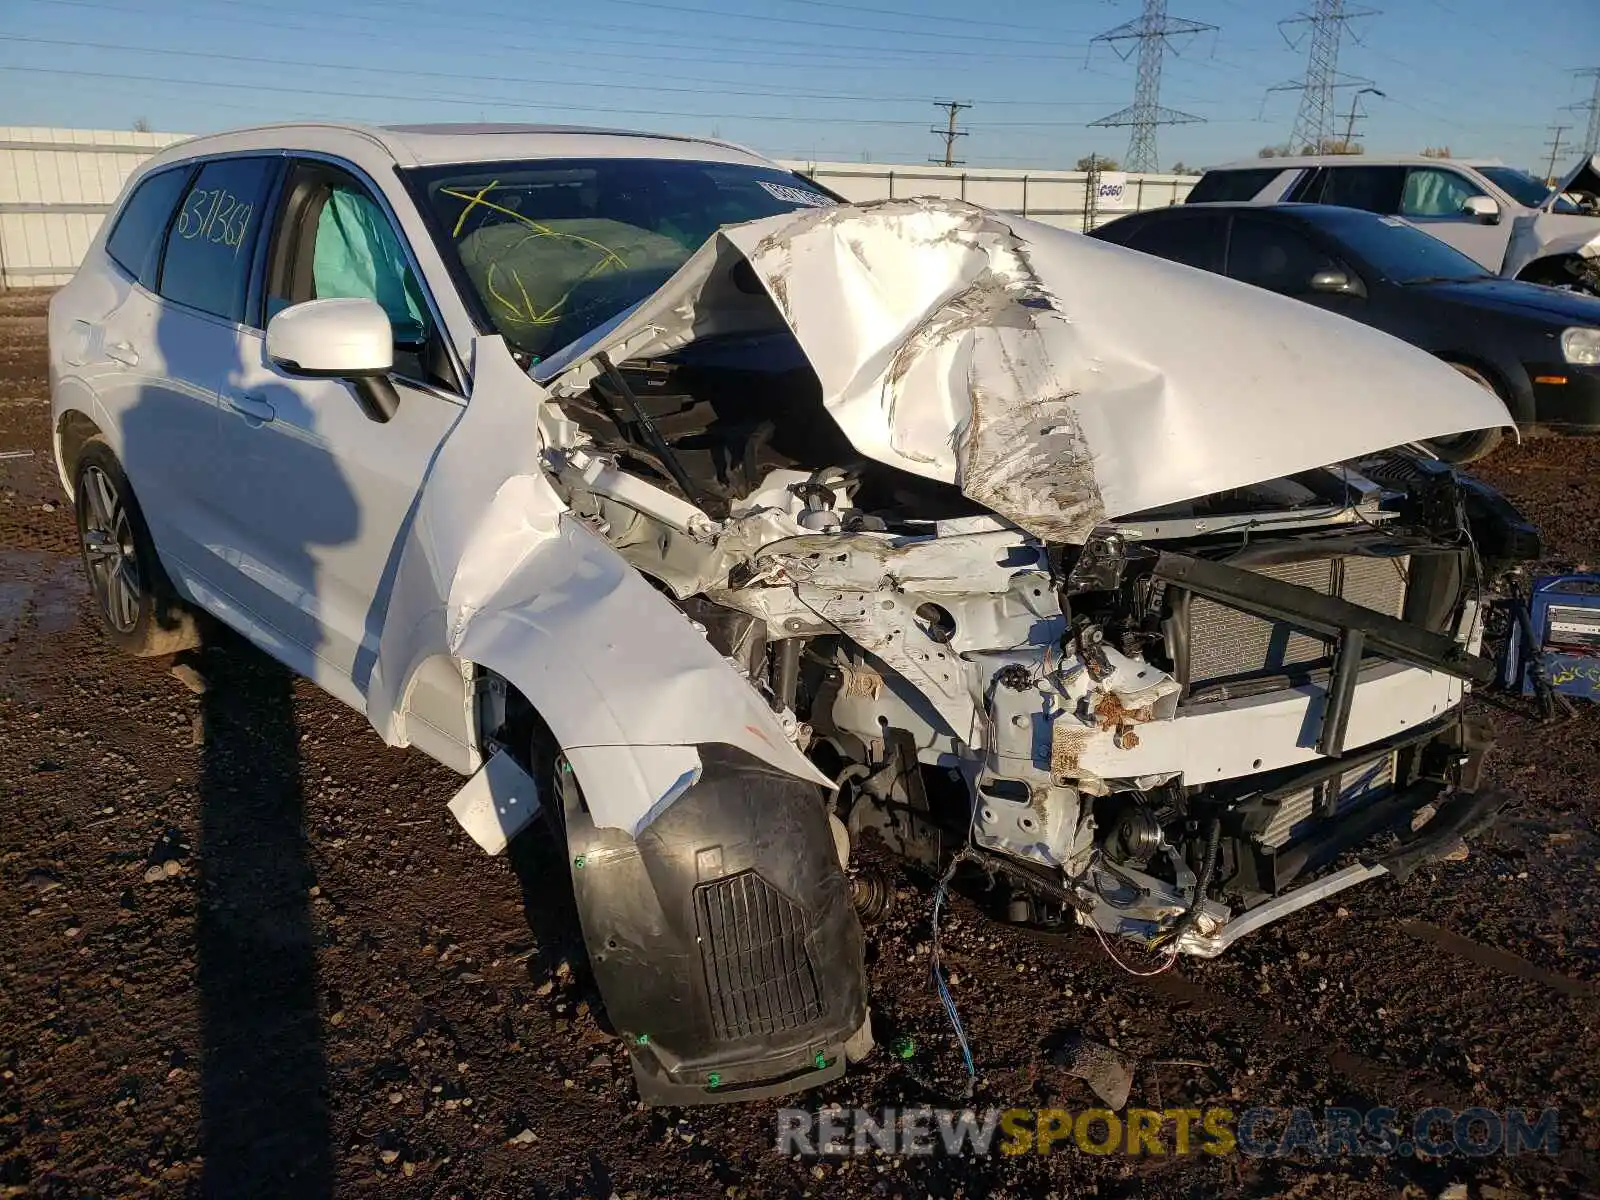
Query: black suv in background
(1538, 348)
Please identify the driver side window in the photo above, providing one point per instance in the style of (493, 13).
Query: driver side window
(1434, 192)
(1271, 255)
(334, 240)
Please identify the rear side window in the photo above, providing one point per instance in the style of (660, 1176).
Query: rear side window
(135, 241)
(1231, 185)
(209, 251)
(1376, 189)
(1195, 241)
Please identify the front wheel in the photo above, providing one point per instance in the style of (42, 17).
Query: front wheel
(138, 608)
(1475, 443)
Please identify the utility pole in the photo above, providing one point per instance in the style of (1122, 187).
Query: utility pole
(1555, 151)
(950, 133)
(1152, 29)
(1315, 119)
(1350, 125)
(1591, 138)
(1091, 194)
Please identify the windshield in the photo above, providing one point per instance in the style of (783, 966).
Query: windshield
(1519, 185)
(555, 247)
(1399, 252)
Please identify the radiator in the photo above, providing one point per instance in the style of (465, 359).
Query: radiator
(1295, 815)
(1230, 650)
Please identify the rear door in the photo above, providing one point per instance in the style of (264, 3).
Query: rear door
(167, 346)
(318, 494)
(1374, 188)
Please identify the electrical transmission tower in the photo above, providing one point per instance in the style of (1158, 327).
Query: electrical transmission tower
(950, 133)
(1591, 140)
(1315, 122)
(1152, 29)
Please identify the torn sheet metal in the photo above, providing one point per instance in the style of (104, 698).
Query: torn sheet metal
(496, 572)
(496, 803)
(1549, 235)
(1058, 380)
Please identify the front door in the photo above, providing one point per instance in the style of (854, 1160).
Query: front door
(1432, 201)
(320, 494)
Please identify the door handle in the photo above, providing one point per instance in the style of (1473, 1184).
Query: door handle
(251, 407)
(124, 353)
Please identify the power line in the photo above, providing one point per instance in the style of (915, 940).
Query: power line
(1591, 138)
(807, 51)
(950, 133)
(1151, 29)
(815, 24)
(505, 102)
(478, 77)
(449, 98)
(916, 16)
(1315, 119)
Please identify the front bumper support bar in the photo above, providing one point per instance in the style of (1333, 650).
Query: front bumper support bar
(1355, 629)
(1463, 815)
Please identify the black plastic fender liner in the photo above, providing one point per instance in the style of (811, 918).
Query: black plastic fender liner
(723, 939)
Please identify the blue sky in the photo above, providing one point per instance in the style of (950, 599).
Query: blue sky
(829, 79)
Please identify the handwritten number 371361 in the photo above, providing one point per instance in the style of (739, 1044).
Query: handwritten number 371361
(215, 215)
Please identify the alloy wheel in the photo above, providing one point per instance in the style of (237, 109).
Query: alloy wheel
(108, 550)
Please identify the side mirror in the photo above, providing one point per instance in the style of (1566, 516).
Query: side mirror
(1482, 209)
(345, 338)
(1337, 283)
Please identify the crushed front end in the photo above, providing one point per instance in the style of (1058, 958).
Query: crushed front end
(1170, 732)
(1027, 545)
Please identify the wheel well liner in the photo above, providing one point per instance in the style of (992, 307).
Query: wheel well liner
(73, 430)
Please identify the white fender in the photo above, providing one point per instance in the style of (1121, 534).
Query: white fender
(495, 571)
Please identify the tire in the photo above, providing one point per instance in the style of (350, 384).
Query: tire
(138, 607)
(1468, 447)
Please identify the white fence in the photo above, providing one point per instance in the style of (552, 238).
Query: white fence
(1053, 197)
(56, 186)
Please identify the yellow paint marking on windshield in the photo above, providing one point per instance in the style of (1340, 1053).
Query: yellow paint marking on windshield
(471, 203)
(527, 313)
(474, 201)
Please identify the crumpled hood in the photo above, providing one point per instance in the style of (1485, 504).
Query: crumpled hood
(1056, 379)
(1583, 177)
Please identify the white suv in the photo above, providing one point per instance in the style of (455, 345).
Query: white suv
(646, 486)
(1504, 218)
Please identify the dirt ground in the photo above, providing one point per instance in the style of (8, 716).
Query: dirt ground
(244, 950)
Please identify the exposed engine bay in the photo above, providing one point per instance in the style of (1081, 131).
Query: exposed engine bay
(987, 528)
(973, 689)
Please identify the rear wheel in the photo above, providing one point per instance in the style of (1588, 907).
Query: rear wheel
(138, 607)
(1474, 444)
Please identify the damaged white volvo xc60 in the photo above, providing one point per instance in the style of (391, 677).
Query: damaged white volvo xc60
(735, 529)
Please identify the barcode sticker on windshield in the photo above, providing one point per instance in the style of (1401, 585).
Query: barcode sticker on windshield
(794, 195)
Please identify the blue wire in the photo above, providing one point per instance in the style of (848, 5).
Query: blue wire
(943, 989)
